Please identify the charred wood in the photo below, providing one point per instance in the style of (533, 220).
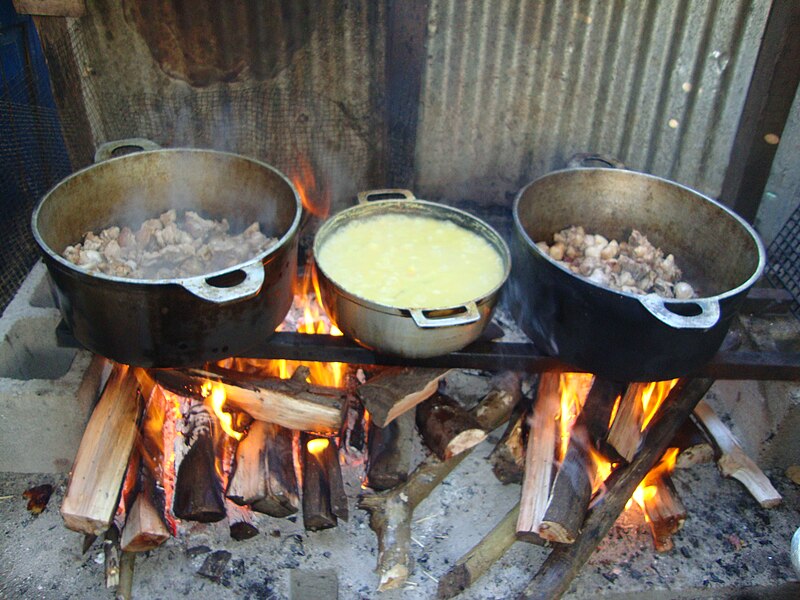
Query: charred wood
(446, 428)
(102, 458)
(508, 456)
(323, 491)
(389, 451)
(397, 390)
(597, 410)
(241, 523)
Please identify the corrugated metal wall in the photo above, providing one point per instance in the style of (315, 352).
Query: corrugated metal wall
(513, 88)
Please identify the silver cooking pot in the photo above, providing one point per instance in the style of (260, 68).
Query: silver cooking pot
(407, 331)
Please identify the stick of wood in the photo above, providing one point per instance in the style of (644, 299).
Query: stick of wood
(126, 565)
(539, 457)
(391, 511)
(111, 556)
(102, 458)
(389, 451)
(447, 429)
(264, 475)
(474, 564)
(317, 510)
(625, 434)
(144, 529)
(733, 461)
(508, 456)
(566, 560)
(291, 403)
(397, 390)
(665, 512)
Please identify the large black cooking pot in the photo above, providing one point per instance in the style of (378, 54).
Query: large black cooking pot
(620, 335)
(181, 321)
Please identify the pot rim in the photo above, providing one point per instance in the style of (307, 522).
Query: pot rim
(282, 241)
(374, 206)
(757, 272)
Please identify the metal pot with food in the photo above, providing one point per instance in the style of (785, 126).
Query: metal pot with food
(171, 257)
(628, 275)
(409, 277)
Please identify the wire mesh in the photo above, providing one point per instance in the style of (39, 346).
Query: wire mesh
(783, 267)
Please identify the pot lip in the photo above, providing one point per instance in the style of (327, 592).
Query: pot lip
(284, 240)
(374, 206)
(748, 283)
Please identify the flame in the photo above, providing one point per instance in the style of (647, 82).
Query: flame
(216, 392)
(573, 389)
(317, 445)
(315, 201)
(653, 397)
(648, 488)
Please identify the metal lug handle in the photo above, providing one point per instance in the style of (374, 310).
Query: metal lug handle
(246, 288)
(364, 197)
(106, 150)
(705, 319)
(470, 314)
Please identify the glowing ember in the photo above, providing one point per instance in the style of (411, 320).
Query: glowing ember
(317, 445)
(216, 392)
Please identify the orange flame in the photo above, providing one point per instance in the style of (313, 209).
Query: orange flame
(653, 397)
(573, 389)
(317, 445)
(218, 397)
(315, 201)
(648, 488)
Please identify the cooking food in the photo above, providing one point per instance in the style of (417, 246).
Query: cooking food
(411, 261)
(635, 266)
(166, 247)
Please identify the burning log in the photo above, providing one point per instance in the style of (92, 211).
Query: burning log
(198, 491)
(389, 451)
(144, 529)
(356, 435)
(324, 498)
(397, 390)
(472, 566)
(264, 474)
(391, 511)
(241, 523)
(102, 458)
(566, 560)
(446, 428)
(733, 462)
(291, 403)
(665, 512)
(694, 447)
(625, 434)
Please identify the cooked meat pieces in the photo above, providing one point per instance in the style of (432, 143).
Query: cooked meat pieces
(167, 247)
(634, 266)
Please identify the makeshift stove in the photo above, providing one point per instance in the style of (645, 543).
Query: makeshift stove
(578, 467)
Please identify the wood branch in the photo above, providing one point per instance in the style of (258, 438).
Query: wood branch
(198, 491)
(389, 451)
(598, 408)
(446, 428)
(474, 564)
(694, 447)
(288, 402)
(539, 457)
(397, 390)
(665, 512)
(317, 511)
(111, 553)
(241, 521)
(102, 458)
(144, 529)
(391, 511)
(508, 456)
(264, 475)
(566, 560)
(625, 434)
(126, 566)
(734, 462)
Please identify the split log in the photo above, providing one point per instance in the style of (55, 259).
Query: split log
(198, 491)
(290, 403)
(102, 458)
(397, 390)
(389, 451)
(241, 522)
(144, 529)
(694, 447)
(391, 511)
(324, 498)
(472, 566)
(665, 512)
(733, 462)
(446, 428)
(264, 475)
(598, 409)
(625, 433)
(111, 554)
(539, 457)
(566, 560)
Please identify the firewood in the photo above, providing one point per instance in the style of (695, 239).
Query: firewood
(102, 458)
(474, 564)
(264, 476)
(144, 529)
(356, 434)
(508, 456)
(446, 428)
(389, 451)
(317, 506)
(397, 390)
(198, 491)
(126, 566)
(734, 462)
(597, 410)
(539, 456)
(665, 512)
(111, 554)
(625, 434)
(694, 447)
(391, 511)
(241, 522)
(288, 402)
(565, 560)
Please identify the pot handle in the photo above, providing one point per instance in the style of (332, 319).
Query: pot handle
(590, 159)
(470, 314)
(218, 290)
(364, 197)
(705, 319)
(106, 150)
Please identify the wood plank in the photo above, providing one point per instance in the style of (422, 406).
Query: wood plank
(395, 391)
